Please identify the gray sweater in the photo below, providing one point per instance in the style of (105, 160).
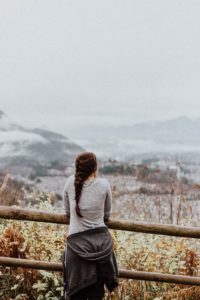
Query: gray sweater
(95, 204)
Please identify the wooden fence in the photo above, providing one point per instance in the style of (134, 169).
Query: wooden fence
(149, 228)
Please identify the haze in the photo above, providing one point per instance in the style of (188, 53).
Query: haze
(65, 64)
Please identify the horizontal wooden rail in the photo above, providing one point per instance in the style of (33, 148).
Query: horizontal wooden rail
(137, 275)
(16, 213)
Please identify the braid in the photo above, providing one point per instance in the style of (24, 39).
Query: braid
(79, 179)
(85, 164)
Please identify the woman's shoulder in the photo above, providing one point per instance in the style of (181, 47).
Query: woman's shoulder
(102, 181)
(98, 180)
(68, 180)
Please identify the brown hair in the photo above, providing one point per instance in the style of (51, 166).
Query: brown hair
(86, 164)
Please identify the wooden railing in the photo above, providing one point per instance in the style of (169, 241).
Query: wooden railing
(150, 228)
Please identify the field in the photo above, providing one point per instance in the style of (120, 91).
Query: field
(135, 198)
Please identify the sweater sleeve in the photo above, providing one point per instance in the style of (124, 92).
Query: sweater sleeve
(66, 198)
(108, 202)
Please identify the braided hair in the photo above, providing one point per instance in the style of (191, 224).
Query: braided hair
(86, 164)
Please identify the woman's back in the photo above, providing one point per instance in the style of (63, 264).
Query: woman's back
(89, 260)
(95, 204)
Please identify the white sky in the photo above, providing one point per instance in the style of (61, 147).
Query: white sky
(108, 62)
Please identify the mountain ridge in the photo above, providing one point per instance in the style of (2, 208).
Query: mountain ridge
(175, 135)
(37, 144)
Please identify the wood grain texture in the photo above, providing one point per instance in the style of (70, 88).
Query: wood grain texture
(15, 213)
(137, 275)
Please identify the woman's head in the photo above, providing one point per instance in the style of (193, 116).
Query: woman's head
(86, 164)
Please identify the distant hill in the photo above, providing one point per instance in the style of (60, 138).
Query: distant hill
(18, 143)
(176, 135)
(183, 130)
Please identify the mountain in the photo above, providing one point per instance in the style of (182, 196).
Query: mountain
(182, 130)
(178, 135)
(34, 145)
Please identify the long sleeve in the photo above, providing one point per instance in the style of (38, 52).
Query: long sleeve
(66, 199)
(108, 203)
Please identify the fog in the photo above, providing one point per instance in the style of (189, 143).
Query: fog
(65, 64)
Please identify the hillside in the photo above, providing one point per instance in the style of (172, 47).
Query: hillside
(179, 135)
(21, 144)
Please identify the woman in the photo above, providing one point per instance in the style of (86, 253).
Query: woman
(89, 260)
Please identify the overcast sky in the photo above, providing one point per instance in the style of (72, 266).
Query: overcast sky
(108, 62)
